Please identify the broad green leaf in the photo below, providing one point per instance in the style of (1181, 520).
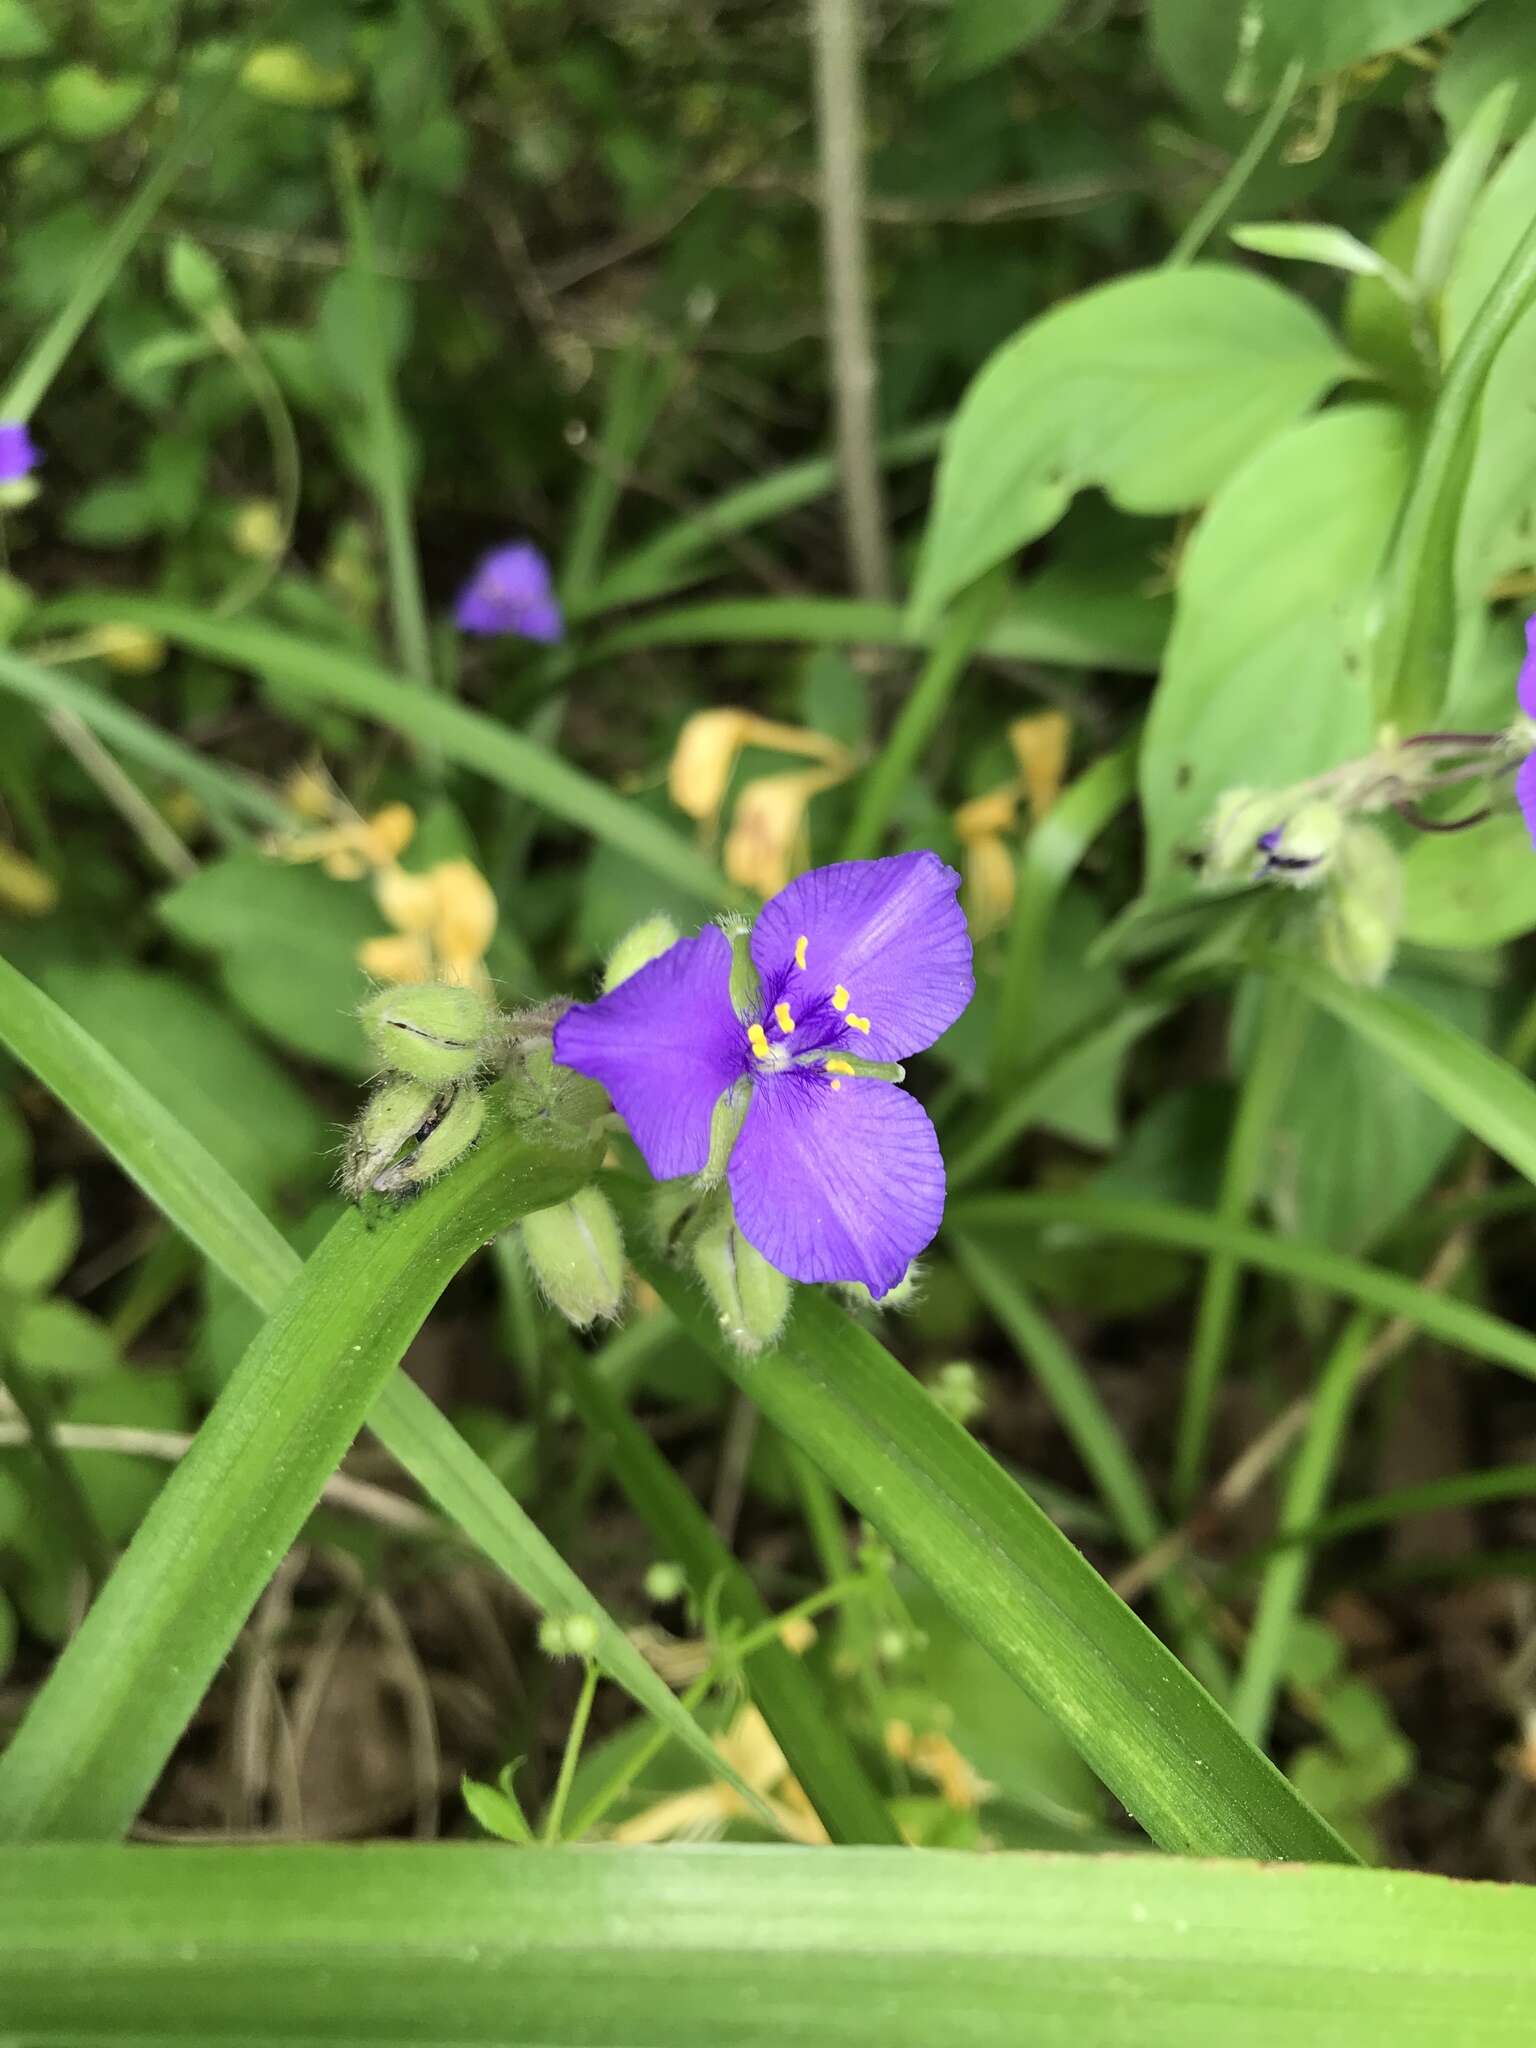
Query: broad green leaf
(1494, 46)
(286, 940)
(15, 1157)
(1266, 679)
(57, 1340)
(1479, 1089)
(226, 1090)
(1469, 890)
(1156, 387)
(219, 1218)
(330, 675)
(1355, 1143)
(1235, 56)
(1379, 327)
(750, 1947)
(1007, 1574)
(1497, 222)
(981, 33)
(1496, 532)
(39, 1247)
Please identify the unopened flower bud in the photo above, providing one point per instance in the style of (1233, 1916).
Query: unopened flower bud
(1360, 916)
(556, 1102)
(576, 1250)
(751, 1298)
(746, 984)
(391, 1118)
(957, 1389)
(665, 1581)
(638, 948)
(1264, 836)
(430, 1032)
(130, 650)
(726, 1120)
(443, 1144)
(1300, 850)
(569, 1635)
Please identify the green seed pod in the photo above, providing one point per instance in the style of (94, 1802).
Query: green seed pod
(576, 1250)
(751, 1298)
(432, 1032)
(638, 948)
(569, 1635)
(443, 1144)
(391, 1118)
(1360, 915)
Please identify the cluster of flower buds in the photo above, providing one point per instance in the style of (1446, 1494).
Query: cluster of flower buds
(434, 1045)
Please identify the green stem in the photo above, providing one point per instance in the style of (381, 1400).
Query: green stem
(1264, 1084)
(1225, 197)
(576, 1735)
(413, 636)
(1285, 1576)
(71, 1504)
(919, 718)
(637, 389)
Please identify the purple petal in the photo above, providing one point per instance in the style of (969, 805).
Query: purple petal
(891, 932)
(666, 1044)
(1525, 791)
(510, 592)
(842, 1183)
(1526, 687)
(19, 453)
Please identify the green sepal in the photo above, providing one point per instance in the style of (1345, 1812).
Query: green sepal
(576, 1251)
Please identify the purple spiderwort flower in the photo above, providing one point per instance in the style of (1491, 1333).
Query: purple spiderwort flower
(511, 592)
(836, 1174)
(1525, 780)
(19, 453)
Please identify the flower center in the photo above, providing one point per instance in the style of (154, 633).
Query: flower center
(820, 1033)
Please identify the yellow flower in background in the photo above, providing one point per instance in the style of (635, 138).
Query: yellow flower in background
(702, 1813)
(960, 1785)
(444, 917)
(1040, 745)
(24, 887)
(766, 844)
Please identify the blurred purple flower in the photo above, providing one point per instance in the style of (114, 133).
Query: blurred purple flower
(1525, 781)
(19, 453)
(510, 592)
(837, 1174)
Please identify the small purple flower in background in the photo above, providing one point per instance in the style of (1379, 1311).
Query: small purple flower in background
(19, 453)
(511, 592)
(1525, 781)
(837, 1174)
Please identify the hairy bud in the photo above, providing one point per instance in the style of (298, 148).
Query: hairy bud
(1361, 914)
(750, 1297)
(392, 1116)
(638, 948)
(576, 1250)
(569, 1635)
(430, 1032)
(559, 1104)
(443, 1142)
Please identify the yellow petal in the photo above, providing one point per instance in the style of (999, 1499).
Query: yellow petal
(312, 793)
(959, 1785)
(749, 1746)
(984, 816)
(764, 845)
(1040, 745)
(683, 1813)
(409, 902)
(391, 958)
(989, 875)
(24, 886)
(345, 865)
(464, 919)
(388, 833)
(703, 758)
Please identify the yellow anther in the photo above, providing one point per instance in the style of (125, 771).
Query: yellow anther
(800, 946)
(757, 1038)
(837, 1066)
(858, 1023)
(835, 1086)
(783, 1019)
(840, 997)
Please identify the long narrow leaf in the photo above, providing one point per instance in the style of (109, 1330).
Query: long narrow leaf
(331, 675)
(750, 1948)
(220, 1219)
(1155, 1736)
